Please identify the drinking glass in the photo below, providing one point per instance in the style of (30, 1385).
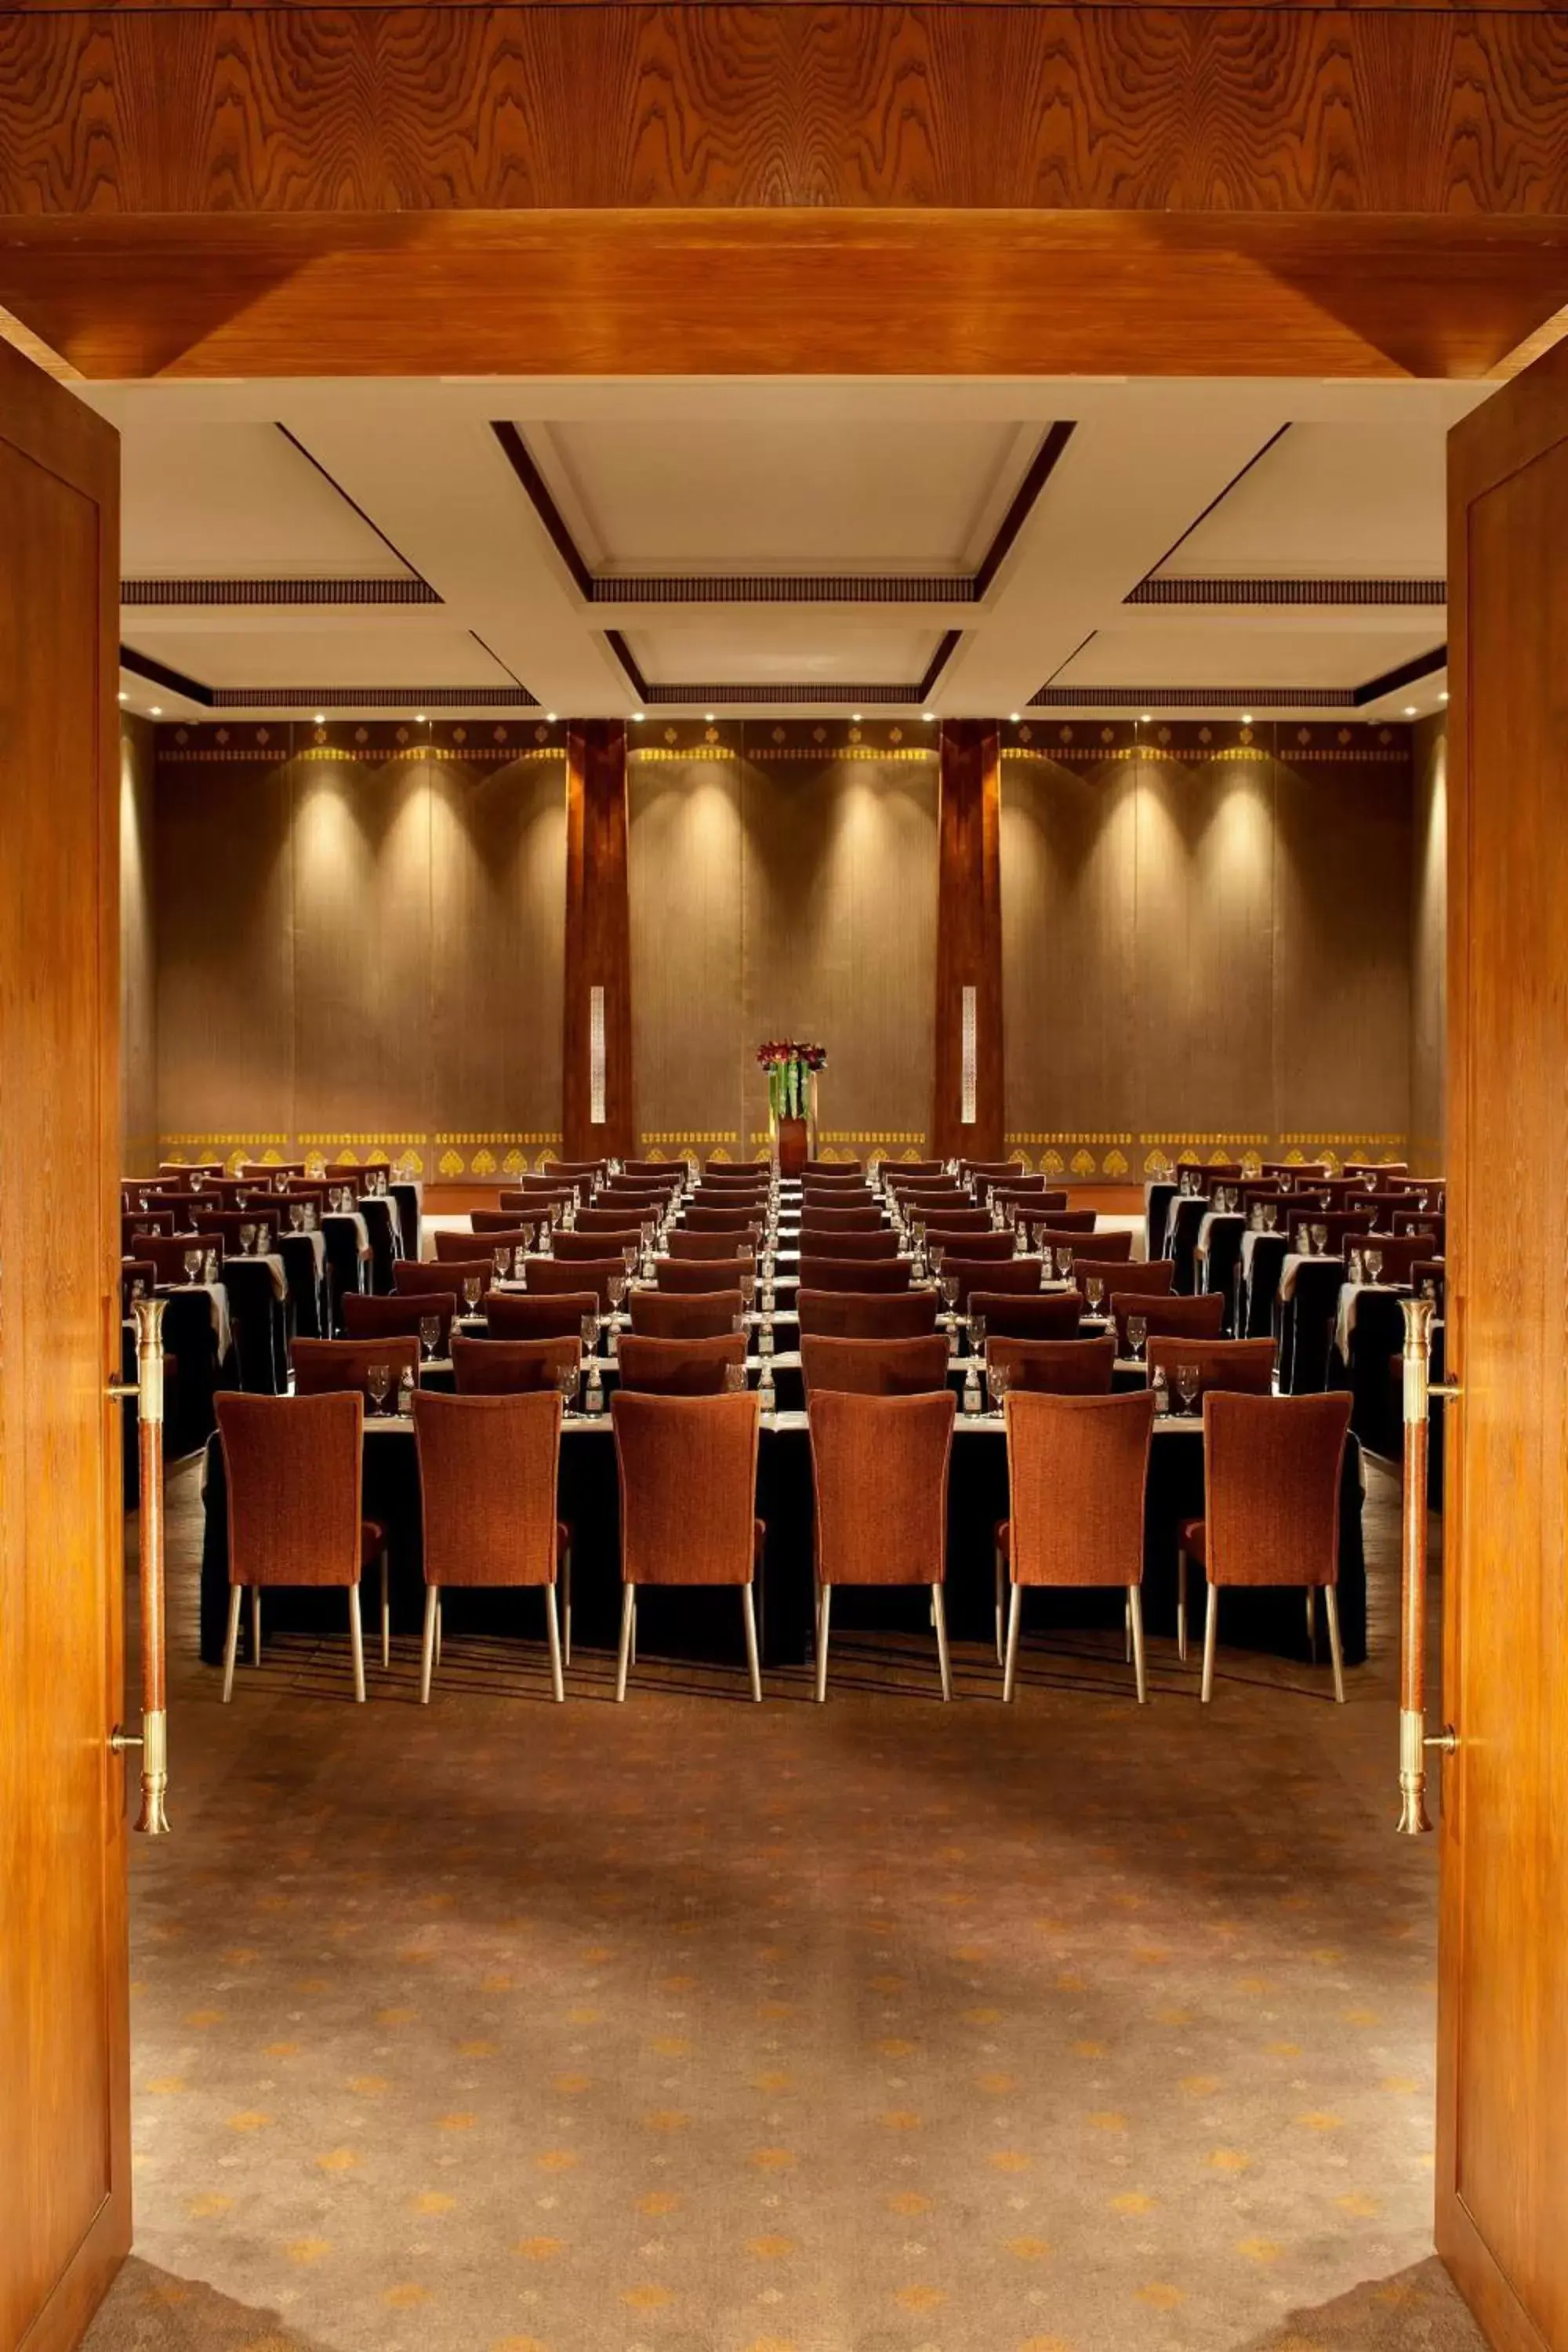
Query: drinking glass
(1063, 1264)
(297, 1216)
(211, 1270)
(949, 1291)
(138, 1288)
(629, 1257)
(520, 1263)
(472, 1291)
(566, 1381)
(937, 1252)
(246, 1240)
(406, 1386)
(589, 1330)
(503, 1261)
(1271, 1217)
(263, 1240)
(1094, 1292)
(977, 1335)
(738, 1325)
(998, 1380)
(429, 1334)
(1372, 1261)
(1186, 1384)
(734, 1378)
(192, 1264)
(1429, 1286)
(616, 1287)
(378, 1381)
(748, 1289)
(1137, 1334)
(1319, 1241)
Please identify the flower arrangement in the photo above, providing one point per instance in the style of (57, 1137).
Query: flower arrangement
(790, 1064)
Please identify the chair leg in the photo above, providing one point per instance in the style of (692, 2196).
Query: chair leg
(231, 1640)
(428, 1645)
(1313, 1625)
(356, 1642)
(1001, 1580)
(552, 1634)
(566, 1607)
(1211, 1637)
(256, 1624)
(1015, 1619)
(1331, 1611)
(385, 1617)
(824, 1610)
(944, 1664)
(623, 1655)
(1135, 1621)
(1182, 1606)
(439, 1623)
(633, 1594)
(1127, 1629)
(753, 1655)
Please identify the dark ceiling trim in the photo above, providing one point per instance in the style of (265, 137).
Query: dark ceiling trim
(157, 673)
(318, 698)
(898, 695)
(349, 500)
(628, 661)
(1217, 500)
(946, 649)
(777, 587)
(1243, 697)
(1424, 594)
(1406, 673)
(144, 593)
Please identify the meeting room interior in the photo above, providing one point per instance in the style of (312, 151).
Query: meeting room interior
(784, 1347)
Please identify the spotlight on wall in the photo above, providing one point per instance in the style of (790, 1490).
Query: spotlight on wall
(929, 717)
(420, 718)
(1444, 696)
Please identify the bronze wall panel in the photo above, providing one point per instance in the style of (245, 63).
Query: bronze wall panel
(138, 966)
(688, 866)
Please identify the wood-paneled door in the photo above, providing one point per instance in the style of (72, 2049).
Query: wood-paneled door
(65, 2165)
(1503, 2153)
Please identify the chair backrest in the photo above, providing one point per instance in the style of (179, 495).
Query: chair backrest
(879, 1470)
(967, 1220)
(167, 1252)
(598, 1241)
(1399, 1252)
(1011, 1277)
(682, 1244)
(459, 1249)
(836, 1171)
(663, 1170)
(138, 1223)
(1001, 1171)
(1151, 1276)
(324, 1367)
(1106, 1252)
(866, 1315)
(875, 1367)
(505, 1224)
(914, 1168)
(1038, 1315)
(678, 1367)
(618, 1218)
(512, 1367)
(701, 1220)
(859, 1241)
(293, 1467)
(689, 1484)
(488, 1469)
(367, 1316)
(676, 1315)
(980, 1243)
(704, 1273)
(854, 1273)
(1271, 1487)
(1202, 1317)
(1058, 1221)
(1056, 1367)
(134, 1270)
(225, 1224)
(827, 1216)
(413, 1275)
(1244, 1366)
(920, 1200)
(1032, 1198)
(516, 1315)
(549, 1276)
(1077, 1470)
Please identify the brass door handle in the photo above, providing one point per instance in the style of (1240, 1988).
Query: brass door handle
(119, 1739)
(1445, 1741)
(1446, 1390)
(123, 1391)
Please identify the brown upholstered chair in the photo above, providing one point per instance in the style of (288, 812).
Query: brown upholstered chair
(1042, 1315)
(488, 1469)
(1202, 1317)
(1017, 1278)
(700, 1220)
(621, 1217)
(366, 1317)
(969, 1220)
(684, 1315)
(705, 1273)
(854, 1273)
(913, 1168)
(866, 1315)
(678, 1367)
(880, 1469)
(875, 1367)
(1271, 1508)
(503, 1225)
(1077, 1470)
(923, 1199)
(846, 1208)
(327, 1367)
(1151, 1277)
(689, 1484)
(294, 1471)
(540, 1204)
(954, 1242)
(1243, 1366)
(550, 1277)
(411, 1277)
(598, 1241)
(225, 1226)
(513, 1366)
(847, 1171)
(859, 1242)
(682, 1244)
(1065, 1222)
(134, 1270)
(1032, 1197)
(139, 1225)
(459, 1249)
(1000, 1171)
(167, 1252)
(660, 1171)
(734, 1171)
(1055, 1367)
(1109, 1249)
(516, 1315)
(1399, 1252)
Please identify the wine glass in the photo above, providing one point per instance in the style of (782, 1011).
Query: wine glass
(246, 1240)
(210, 1269)
(590, 1335)
(378, 1381)
(937, 1252)
(977, 1334)
(193, 1264)
(263, 1240)
(629, 1258)
(734, 1378)
(472, 1291)
(949, 1291)
(748, 1290)
(1429, 1286)
(1063, 1264)
(1372, 1261)
(429, 1334)
(567, 1375)
(1187, 1378)
(617, 1287)
(1319, 1241)
(1094, 1292)
(138, 1288)
(520, 1261)
(1271, 1217)
(998, 1380)
(297, 1216)
(1137, 1336)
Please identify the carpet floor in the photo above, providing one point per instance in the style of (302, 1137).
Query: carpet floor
(694, 2026)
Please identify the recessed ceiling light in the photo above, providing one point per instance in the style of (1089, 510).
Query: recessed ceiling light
(420, 718)
(123, 696)
(550, 716)
(1410, 710)
(157, 711)
(1444, 696)
(855, 717)
(637, 719)
(1246, 718)
(1145, 717)
(320, 717)
(708, 714)
(1014, 717)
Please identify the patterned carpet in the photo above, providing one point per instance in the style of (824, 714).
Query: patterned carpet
(700, 2027)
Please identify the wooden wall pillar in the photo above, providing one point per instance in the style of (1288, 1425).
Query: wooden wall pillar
(969, 945)
(596, 1118)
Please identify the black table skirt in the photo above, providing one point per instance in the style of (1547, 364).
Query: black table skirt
(707, 1623)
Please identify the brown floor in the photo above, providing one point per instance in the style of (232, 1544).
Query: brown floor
(698, 2027)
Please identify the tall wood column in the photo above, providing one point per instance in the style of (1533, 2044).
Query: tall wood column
(596, 1118)
(968, 1117)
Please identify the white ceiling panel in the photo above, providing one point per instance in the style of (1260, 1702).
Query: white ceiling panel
(1221, 655)
(1331, 502)
(236, 501)
(304, 657)
(753, 646)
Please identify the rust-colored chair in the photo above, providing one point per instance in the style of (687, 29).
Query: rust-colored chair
(705, 1245)
(848, 1171)
(684, 1315)
(501, 1225)
(1062, 1225)
(167, 1252)
(1043, 1315)
(550, 1277)
(879, 1468)
(661, 1171)
(367, 1316)
(700, 1220)
(689, 1484)
(1109, 1250)
(513, 1366)
(948, 1221)
(849, 1212)
(1150, 1276)
(517, 1315)
(488, 1467)
(1000, 1171)
(294, 1470)
(735, 1171)
(875, 1367)
(856, 1241)
(1016, 1277)
(620, 1217)
(327, 1367)
(854, 1273)
(1245, 1367)
(412, 1277)
(458, 1249)
(1201, 1317)
(986, 1246)
(1055, 1367)
(678, 1367)
(1271, 1510)
(866, 1315)
(914, 1168)
(613, 1241)
(705, 1273)
(1077, 1470)
(1400, 1252)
